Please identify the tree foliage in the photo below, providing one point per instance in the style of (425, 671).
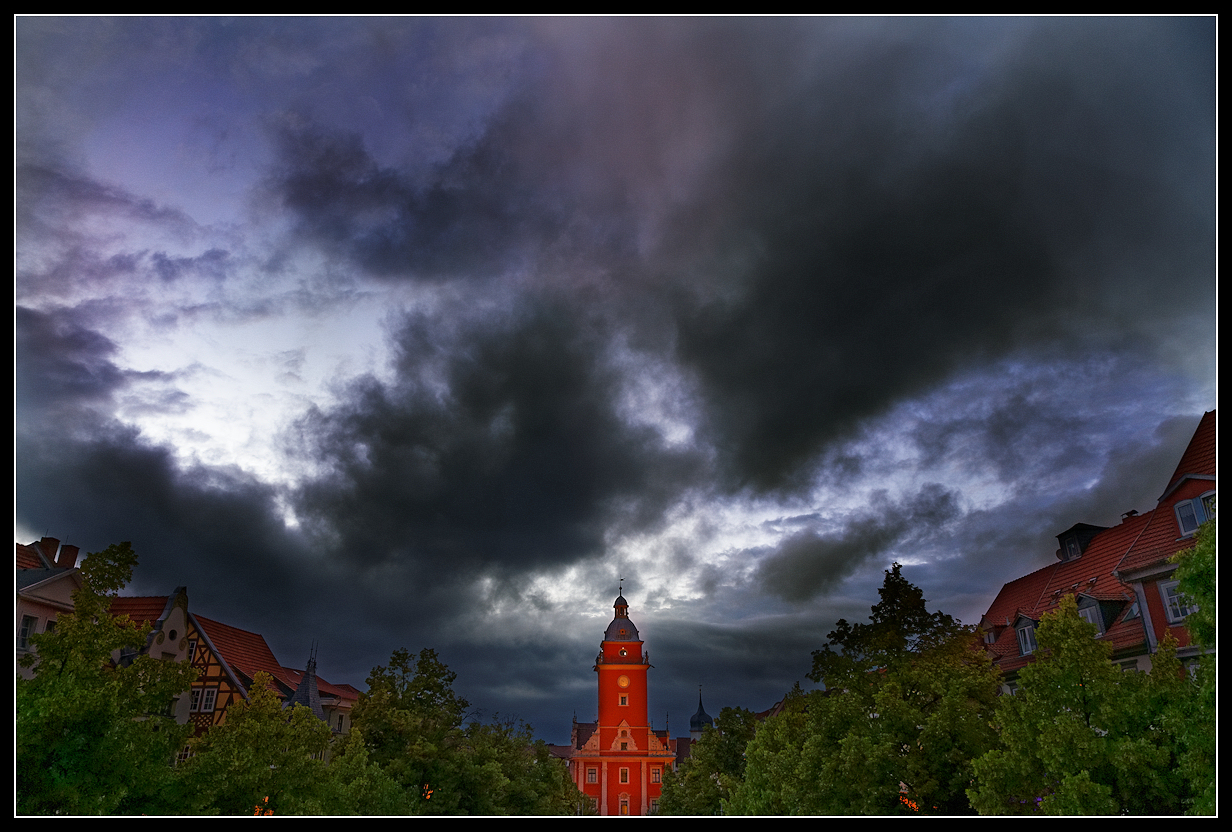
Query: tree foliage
(1194, 720)
(907, 707)
(92, 733)
(415, 728)
(1082, 737)
(262, 750)
(714, 768)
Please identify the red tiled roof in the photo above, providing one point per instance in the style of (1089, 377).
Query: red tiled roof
(1021, 595)
(244, 651)
(1162, 538)
(28, 557)
(345, 692)
(144, 610)
(1199, 456)
(1139, 541)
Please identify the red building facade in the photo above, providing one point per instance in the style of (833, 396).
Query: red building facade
(619, 762)
(1122, 576)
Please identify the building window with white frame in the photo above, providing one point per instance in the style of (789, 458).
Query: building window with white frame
(208, 696)
(1091, 616)
(1026, 639)
(1177, 605)
(28, 624)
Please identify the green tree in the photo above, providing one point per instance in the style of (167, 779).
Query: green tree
(415, 728)
(92, 733)
(354, 785)
(772, 784)
(1194, 720)
(714, 768)
(412, 723)
(502, 770)
(263, 753)
(1080, 736)
(907, 707)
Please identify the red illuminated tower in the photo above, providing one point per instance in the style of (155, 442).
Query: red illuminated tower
(619, 761)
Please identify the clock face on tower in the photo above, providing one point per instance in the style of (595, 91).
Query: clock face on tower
(623, 681)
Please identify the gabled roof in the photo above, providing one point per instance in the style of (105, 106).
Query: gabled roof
(345, 693)
(1139, 542)
(1159, 541)
(30, 579)
(246, 652)
(145, 610)
(29, 556)
(1199, 456)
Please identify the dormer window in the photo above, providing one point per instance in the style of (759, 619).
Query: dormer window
(1074, 540)
(1026, 638)
(1190, 514)
(1091, 615)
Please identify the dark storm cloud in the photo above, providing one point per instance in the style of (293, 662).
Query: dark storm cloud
(63, 367)
(794, 226)
(474, 218)
(1126, 470)
(808, 563)
(497, 446)
(816, 220)
(924, 214)
(61, 214)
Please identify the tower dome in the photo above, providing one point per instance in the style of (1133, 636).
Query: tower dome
(699, 720)
(621, 628)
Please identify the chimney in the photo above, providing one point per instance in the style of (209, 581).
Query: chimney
(68, 556)
(49, 546)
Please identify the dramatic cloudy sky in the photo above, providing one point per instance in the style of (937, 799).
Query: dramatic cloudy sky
(424, 332)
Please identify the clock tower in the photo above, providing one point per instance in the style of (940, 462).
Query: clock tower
(619, 761)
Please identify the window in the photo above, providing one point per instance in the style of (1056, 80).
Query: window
(592, 775)
(624, 700)
(196, 700)
(624, 775)
(654, 807)
(1190, 514)
(624, 746)
(50, 627)
(656, 775)
(1091, 616)
(1178, 605)
(1187, 518)
(1026, 639)
(207, 699)
(28, 623)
